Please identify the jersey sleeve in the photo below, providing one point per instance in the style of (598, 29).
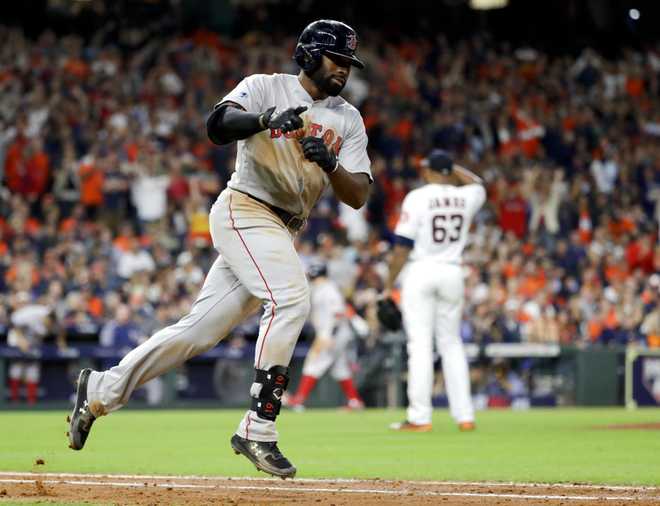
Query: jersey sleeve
(407, 226)
(249, 94)
(476, 197)
(353, 153)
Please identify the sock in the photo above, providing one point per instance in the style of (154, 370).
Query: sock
(349, 389)
(32, 392)
(307, 384)
(14, 389)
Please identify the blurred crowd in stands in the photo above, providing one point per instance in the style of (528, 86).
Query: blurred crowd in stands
(107, 178)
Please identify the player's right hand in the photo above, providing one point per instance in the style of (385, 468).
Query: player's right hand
(286, 121)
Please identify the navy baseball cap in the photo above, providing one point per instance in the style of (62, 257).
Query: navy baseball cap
(439, 161)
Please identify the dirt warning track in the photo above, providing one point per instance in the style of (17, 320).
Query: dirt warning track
(142, 490)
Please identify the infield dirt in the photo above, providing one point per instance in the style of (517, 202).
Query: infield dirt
(123, 489)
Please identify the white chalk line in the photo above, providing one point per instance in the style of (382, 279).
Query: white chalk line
(586, 486)
(406, 492)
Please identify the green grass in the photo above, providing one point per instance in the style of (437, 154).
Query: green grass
(556, 445)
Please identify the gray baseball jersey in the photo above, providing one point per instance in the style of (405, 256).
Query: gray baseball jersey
(270, 165)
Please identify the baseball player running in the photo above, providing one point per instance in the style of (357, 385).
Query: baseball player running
(295, 136)
(30, 324)
(330, 348)
(432, 230)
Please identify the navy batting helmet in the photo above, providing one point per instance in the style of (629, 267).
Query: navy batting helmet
(317, 269)
(326, 36)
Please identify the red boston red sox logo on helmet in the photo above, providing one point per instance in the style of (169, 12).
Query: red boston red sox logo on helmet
(351, 41)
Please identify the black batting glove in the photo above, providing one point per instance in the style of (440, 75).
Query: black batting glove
(286, 121)
(315, 150)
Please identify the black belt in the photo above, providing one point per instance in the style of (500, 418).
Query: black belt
(291, 221)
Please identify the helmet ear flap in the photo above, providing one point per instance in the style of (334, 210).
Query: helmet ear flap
(307, 57)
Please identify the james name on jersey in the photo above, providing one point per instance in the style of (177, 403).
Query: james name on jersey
(442, 202)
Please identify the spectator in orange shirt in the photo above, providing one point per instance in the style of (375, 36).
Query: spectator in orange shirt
(635, 83)
(91, 185)
(595, 328)
(124, 237)
(513, 266)
(585, 224)
(615, 270)
(533, 280)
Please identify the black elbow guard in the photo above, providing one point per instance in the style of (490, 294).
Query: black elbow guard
(229, 123)
(214, 126)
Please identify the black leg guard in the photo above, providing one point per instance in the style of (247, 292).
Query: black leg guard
(273, 384)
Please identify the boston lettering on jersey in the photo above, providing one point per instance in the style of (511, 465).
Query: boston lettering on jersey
(314, 129)
(442, 202)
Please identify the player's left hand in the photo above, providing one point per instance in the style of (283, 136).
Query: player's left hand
(389, 314)
(315, 150)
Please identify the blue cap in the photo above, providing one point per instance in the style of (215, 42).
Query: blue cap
(439, 161)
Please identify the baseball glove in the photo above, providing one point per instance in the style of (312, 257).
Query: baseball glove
(389, 315)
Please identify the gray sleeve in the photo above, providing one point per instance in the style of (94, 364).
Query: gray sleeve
(249, 94)
(353, 152)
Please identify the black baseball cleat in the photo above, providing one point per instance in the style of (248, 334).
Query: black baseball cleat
(265, 455)
(81, 418)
